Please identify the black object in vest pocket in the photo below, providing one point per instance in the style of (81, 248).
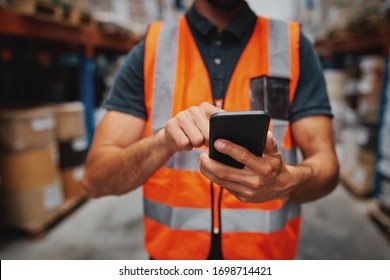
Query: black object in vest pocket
(72, 152)
(271, 94)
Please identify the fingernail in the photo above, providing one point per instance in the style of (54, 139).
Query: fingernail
(219, 144)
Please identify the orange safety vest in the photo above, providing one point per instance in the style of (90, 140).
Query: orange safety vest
(181, 207)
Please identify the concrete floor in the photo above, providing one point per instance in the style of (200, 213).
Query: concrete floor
(335, 227)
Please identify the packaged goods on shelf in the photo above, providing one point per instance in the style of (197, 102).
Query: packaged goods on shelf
(336, 87)
(70, 120)
(358, 161)
(81, 4)
(132, 16)
(31, 189)
(72, 152)
(335, 83)
(30, 208)
(71, 181)
(26, 128)
(29, 168)
(39, 8)
(118, 16)
(354, 147)
(360, 179)
(369, 87)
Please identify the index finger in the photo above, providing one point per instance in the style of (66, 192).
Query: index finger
(209, 109)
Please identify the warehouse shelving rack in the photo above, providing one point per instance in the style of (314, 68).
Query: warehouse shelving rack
(87, 39)
(378, 43)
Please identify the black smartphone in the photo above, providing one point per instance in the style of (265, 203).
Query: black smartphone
(247, 129)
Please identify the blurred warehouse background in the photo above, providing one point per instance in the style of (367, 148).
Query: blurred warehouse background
(58, 60)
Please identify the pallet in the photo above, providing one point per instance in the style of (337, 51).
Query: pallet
(38, 9)
(381, 219)
(361, 191)
(38, 228)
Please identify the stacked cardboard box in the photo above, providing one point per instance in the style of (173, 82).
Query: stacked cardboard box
(72, 141)
(30, 185)
(369, 87)
(384, 147)
(336, 80)
(358, 162)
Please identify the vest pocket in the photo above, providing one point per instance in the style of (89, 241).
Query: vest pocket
(270, 94)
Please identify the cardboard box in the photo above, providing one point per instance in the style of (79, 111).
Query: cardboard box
(70, 120)
(27, 128)
(358, 174)
(81, 4)
(71, 182)
(336, 84)
(28, 169)
(30, 208)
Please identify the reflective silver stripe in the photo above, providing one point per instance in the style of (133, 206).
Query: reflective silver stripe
(164, 77)
(178, 218)
(279, 49)
(260, 221)
(289, 156)
(279, 128)
(185, 160)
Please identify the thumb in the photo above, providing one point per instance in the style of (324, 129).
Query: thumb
(271, 146)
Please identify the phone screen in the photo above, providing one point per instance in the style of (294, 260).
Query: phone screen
(247, 129)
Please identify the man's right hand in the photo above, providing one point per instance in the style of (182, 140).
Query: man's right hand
(119, 148)
(190, 128)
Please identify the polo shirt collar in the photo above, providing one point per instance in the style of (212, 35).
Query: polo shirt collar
(237, 27)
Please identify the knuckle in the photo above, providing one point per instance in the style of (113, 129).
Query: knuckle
(256, 182)
(197, 141)
(193, 110)
(183, 145)
(222, 174)
(268, 170)
(248, 193)
(180, 117)
(243, 157)
(204, 104)
(170, 123)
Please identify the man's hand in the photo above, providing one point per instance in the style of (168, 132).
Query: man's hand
(262, 179)
(190, 128)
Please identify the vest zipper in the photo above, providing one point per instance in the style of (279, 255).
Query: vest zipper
(216, 237)
(216, 208)
(216, 198)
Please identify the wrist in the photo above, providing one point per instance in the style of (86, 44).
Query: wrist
(163, 142)
(291, 182)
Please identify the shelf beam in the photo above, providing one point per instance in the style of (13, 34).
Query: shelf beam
(12, 24)
(357, 45)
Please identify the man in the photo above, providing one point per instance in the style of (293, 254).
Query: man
(157, 126)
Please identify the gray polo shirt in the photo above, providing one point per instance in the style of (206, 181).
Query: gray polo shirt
(127, 94)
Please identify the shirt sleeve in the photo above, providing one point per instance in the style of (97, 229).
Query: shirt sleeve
(127, 93)
(311, 97)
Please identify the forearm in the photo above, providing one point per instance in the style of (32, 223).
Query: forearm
(115, 170)
(314, 178)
